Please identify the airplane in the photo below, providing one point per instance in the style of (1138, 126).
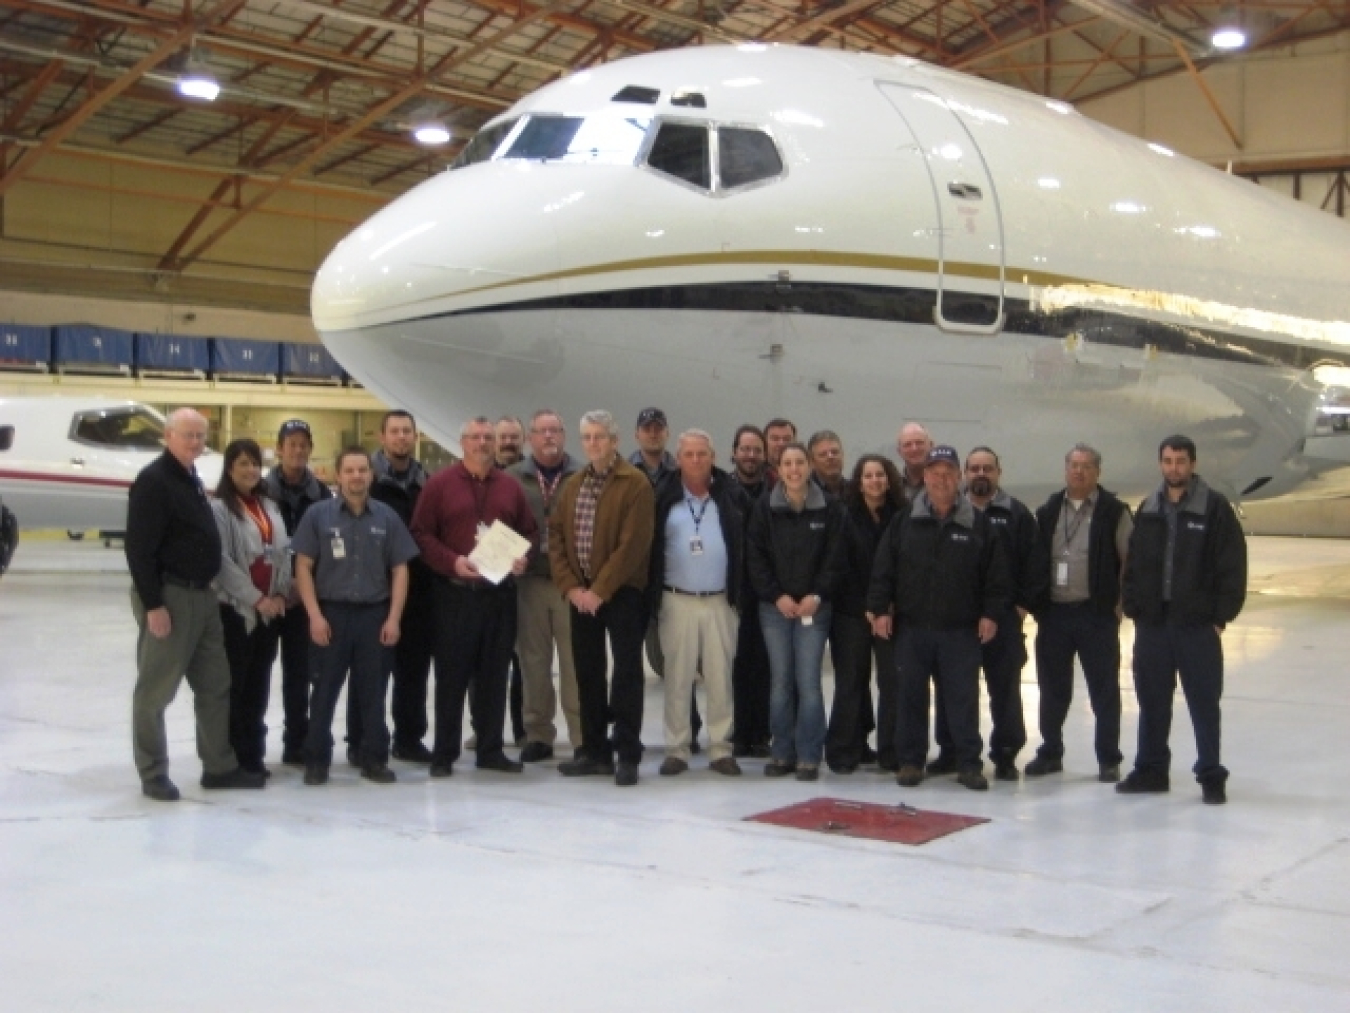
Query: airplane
(735, 233)
(67, 463)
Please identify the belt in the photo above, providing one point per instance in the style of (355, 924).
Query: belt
(695, 594)
(475, 585)
(191, 585)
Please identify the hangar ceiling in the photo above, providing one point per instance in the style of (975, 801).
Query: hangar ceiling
(318, 98)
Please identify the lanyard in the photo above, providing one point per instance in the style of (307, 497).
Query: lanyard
(547, 489)
(1081, 514)
(698, 517)
(260, 518)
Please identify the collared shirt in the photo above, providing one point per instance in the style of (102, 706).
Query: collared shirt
(456, 505)
(1172, 512)
(171, 529)
(294, 500)
(588, 498)
(666, 466)
(353, 554)
(695, 523)
(1070, 546)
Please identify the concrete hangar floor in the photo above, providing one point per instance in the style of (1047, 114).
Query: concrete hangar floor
(490, 892)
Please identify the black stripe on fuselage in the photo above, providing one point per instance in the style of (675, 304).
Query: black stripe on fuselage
(915, 306)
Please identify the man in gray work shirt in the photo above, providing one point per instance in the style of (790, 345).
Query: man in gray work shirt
(1088, 531)
(351, 556)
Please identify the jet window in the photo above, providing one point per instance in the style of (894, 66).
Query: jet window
(604, 139)
(118, 427)
(484, 144)
(745, 156)
(6, 437)
(681, 150)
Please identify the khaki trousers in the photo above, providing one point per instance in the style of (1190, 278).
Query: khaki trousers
(195, 648)
(698, 633)
(543, 622)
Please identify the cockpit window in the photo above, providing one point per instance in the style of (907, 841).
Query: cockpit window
(118, 427)
(484, 144)
(745, 156)
(681, 150)
(606, 139)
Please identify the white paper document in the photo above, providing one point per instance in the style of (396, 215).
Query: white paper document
(497, 551)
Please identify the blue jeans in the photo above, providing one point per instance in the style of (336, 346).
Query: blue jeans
(795, 654)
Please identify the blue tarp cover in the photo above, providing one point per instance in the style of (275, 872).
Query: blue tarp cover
(243, 355)
(86, 344)
(27, 344)
(299, 359)
(172, 351)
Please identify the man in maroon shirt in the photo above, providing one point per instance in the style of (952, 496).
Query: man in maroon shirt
(475, 619)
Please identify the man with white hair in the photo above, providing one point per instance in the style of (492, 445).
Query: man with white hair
(913, 444)
(693, 585)
(173, 552)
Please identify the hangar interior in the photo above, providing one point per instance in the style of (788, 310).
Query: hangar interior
(125, 204)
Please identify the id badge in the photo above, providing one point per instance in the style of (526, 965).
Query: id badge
(478, 535)
(1061, 574)
(695, 546)
(339, 548)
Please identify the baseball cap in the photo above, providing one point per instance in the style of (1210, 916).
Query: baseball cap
(291, 426)
(650, 416)
(943, 454)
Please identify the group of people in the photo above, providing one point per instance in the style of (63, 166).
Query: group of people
(919, 576)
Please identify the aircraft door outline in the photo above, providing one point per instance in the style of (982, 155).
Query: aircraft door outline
(961, 184)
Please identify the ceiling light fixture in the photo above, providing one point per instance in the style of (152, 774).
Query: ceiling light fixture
(197, 81)
(1228, 33)
(429, 127)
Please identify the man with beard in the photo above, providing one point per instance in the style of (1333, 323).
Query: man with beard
(750, 680)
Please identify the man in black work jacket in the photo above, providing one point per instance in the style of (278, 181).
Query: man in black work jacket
(294, 489)
(1087, 531)
(1186, 579)
(173, 553)
(940, 583)
(1003, 657)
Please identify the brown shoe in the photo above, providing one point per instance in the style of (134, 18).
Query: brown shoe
(671, 766)
(727, 766)
(910, 776)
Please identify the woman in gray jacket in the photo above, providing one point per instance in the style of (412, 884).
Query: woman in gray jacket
(254, 581)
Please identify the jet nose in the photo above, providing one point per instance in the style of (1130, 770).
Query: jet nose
(444, 246)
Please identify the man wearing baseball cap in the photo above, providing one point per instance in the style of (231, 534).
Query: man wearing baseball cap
(941, 605)
(294, 489)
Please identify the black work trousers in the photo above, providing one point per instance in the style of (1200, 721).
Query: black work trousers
(354, 646)
(602, 697)
(251, 656)
(1160, 654)
(750, 682)
(951, 658)
(412, 671)
(476, 627)
(852, 650)
(1063, 632)
(295, 677)
(1002, 659)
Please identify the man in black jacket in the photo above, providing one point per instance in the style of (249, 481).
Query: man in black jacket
(693, 586)
(1087, 531)
(939, 583)
(1186, 579)
(294, 489)
(1003, 657)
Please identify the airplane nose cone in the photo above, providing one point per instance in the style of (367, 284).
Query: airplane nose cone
(445, 246)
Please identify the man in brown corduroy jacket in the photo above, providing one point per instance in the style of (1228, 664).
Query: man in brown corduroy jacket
(599, 539)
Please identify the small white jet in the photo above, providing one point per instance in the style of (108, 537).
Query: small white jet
(67, 463)
(848, 240)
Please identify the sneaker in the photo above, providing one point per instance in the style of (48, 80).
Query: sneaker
(1042, 765)
(1108, 773)
(1006, 770)
(440, 770)
(776, 769)
(236, 778)
(972, 779)
(944, 763)
(808, 772)
(316, 774)
(1214, 792)
(910, 776)
(161, 789)
(625, 774)
(672, 766)
(1144, 782)
(534, 752)
(379, 773)
(584, 766)
(726, 766)
(411, 752)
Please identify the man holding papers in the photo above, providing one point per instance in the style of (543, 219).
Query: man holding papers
(475, 605)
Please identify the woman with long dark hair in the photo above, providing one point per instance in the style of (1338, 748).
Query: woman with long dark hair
(254, 580)
(795, 552)
(873, 497)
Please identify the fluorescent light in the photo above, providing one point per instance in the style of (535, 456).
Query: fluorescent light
(197, 81)
(1228, 37)
(431, 133)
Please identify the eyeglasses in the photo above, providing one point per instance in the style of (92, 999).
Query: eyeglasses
(547, 430)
